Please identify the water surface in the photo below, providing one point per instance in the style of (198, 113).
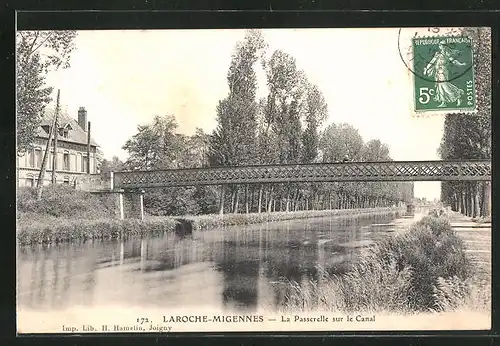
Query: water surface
(235, 269)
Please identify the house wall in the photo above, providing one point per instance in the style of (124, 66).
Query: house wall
(30, 163)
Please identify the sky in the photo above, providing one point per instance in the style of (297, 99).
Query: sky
(125, 78)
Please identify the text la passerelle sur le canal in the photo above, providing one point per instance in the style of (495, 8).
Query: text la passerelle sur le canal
(144, 324)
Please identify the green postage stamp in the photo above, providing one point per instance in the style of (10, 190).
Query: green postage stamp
(443, 74)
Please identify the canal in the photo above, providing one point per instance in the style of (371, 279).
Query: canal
(238, 269)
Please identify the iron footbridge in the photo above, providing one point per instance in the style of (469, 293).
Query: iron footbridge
(468, 170)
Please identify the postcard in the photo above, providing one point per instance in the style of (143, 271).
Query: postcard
(257, 180)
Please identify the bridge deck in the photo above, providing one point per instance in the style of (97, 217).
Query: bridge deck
(321, 172)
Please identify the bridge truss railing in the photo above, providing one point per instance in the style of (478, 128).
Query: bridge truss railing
(470, 170)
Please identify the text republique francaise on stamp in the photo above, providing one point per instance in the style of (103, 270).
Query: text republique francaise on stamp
(443, 69)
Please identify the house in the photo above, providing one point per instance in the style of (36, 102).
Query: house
(71, 156)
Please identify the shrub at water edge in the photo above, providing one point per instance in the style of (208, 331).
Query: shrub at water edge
(400, 274)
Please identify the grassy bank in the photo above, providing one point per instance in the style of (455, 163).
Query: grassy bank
(202, 222)
(40, 229)
(66, 215)
(421, 270)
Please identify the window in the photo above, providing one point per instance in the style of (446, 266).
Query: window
(66, 161)
(38, 157)
(79, 161)
(66, 180)
(84, 163)
(50, 158)
(31, 158)
(29, 181)
(65, 133)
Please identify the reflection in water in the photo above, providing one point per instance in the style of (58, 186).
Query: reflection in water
(237, 269)
(240, 273)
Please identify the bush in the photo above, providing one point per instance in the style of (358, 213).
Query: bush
(437, 212)
(423, 269)
(450, 293)
(432, 250)
(64, 201)
(372, 285)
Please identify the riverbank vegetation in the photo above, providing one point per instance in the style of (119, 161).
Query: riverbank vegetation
(63, 201)
(66, 215)
(43, 229)
(423, 269)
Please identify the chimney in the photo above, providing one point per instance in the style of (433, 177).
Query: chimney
(82, 118)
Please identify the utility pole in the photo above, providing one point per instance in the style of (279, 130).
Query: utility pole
(88, 148)
(56, 130)
(41, 175)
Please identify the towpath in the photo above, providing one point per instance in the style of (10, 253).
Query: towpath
(477, 239)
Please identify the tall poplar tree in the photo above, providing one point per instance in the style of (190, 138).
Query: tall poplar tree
(316, 114)
(234, 141)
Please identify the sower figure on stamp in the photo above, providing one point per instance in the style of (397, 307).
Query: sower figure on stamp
(446, 92)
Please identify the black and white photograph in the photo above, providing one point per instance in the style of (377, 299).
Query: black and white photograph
(253, 180)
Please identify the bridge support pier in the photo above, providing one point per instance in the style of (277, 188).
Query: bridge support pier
(120, 206)
(131, 204)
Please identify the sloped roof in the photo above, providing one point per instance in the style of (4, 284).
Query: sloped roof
(65, 125)
(75, 133)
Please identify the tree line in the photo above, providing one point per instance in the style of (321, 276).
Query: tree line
(285, 127)
(468, 136)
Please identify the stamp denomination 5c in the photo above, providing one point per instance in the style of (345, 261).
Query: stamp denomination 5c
(443, 74)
